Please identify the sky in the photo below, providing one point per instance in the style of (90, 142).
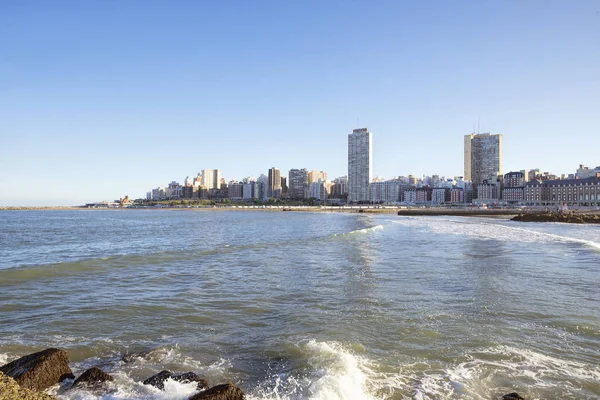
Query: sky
(102, 99)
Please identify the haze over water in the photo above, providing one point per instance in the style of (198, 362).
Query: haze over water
(307, 305)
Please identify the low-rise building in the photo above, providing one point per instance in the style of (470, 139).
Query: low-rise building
(513, 191)
(457, 195)
(410, 195)
(423, 195)
(440, 196)
(570, 192)
(386, 191)
(488, 191)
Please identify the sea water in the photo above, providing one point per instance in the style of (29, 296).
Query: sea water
(302, 305)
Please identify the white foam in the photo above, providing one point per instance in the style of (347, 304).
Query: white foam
(123, 387)
(365, 230)
(334, 373)
(482, 229)
(480, 377)
(5, 358)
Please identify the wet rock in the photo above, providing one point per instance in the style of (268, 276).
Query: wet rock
(93, 377)
(39, 371)
(131, 357)
(159, 379)
(512, 396)
(10, 390)
(220, 392)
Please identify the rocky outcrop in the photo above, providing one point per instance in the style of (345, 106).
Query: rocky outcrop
(220, 392)
(556, 217)
(10, 390)
(512, 396)
(92, 378)
(39, 371)
(159, 379)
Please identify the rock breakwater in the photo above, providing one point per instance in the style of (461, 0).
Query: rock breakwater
(27, 377)
(557, 217)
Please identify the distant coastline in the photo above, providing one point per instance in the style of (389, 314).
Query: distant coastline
(364, 209)
(347, 209)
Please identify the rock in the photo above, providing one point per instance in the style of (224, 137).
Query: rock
(39, 371)
(512, 396)
(131, 357)
(93, 377)
(220, 392)
(10, 390)
(159, 379)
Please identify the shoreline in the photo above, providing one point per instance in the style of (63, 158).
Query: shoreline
(354, 209)
(410, 212)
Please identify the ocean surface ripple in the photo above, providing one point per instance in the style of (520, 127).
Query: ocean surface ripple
(306, 305)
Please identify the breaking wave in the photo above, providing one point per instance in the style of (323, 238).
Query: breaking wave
(327, 370)
(492, 230)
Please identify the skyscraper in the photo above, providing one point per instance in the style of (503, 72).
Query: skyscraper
(360, 157)
(211, 178)
(298, 183)
(274, 185)
(483, 157)
(315, 176)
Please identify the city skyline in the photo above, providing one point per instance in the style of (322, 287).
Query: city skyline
(90, 114)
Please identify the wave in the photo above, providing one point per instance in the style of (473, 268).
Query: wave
(103, 264)
(359, 231)
(491, 371)
(317, 370)
(331, 372)
(491, 230)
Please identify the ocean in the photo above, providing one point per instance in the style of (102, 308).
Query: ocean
(302, 305)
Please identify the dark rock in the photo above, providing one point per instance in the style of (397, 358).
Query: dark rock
(131, 357)
(93, 377)
(191, 377)
(550, 217)
(39, 371)
(512, 396)
(220, 392)
(159, 379)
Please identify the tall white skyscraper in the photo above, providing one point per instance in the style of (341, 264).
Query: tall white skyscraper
(360, 158)
(211, 178)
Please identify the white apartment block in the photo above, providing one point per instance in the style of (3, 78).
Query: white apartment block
(386, 192)
(211, 178)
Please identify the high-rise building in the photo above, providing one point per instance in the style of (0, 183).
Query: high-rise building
(315, 176)
(298, 183)
(274, 183)
(211, 178)
(467, 175)
(483, 157)
(198, 180)
(340, 187)
(360, 158)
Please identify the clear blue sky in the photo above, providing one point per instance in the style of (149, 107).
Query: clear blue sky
(99, 99)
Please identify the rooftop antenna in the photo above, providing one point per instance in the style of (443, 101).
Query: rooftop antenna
(356, 122)
(478, 125)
